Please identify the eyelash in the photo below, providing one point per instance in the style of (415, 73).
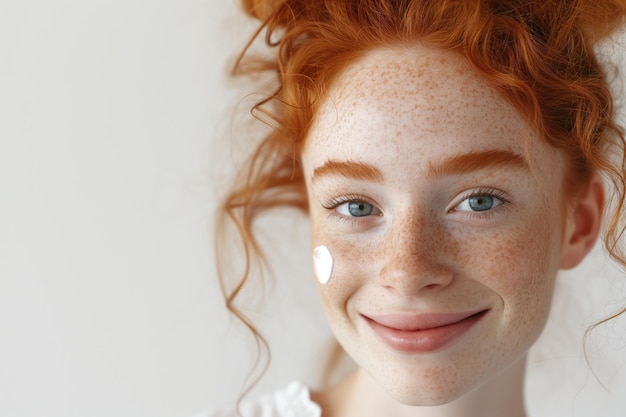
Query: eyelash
(337, 201)
(332, 205)
(485, 191)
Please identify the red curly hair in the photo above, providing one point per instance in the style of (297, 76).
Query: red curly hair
(538, 54)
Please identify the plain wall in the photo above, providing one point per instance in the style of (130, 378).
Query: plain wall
(114, 125)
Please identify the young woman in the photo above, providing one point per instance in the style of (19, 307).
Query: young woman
(449, 156)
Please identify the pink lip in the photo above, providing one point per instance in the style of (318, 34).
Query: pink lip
(421, 333)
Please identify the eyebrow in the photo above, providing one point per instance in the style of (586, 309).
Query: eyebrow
(349, 169)
(453, 165)
(474, 161)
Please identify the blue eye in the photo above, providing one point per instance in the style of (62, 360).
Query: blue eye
(479, 203)
(355, 209)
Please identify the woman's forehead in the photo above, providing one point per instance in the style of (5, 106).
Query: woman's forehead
(409, 83)
(404, 64)
(400, 90)
(423, 101)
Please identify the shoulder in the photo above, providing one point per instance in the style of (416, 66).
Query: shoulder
(294, 400)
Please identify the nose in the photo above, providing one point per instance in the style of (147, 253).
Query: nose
(416, 256)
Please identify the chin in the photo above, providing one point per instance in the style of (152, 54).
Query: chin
(432, 387)
(437, 386)
(426, 398)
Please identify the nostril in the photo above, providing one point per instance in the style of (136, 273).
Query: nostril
(432, 286)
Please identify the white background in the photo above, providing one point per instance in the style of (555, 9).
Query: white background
(114, 125)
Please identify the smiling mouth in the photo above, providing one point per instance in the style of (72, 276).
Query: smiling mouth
(422, 333)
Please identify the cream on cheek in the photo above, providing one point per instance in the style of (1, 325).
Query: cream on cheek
(322, 264)
(341, 263)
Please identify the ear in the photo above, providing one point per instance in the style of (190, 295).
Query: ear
(582, 225)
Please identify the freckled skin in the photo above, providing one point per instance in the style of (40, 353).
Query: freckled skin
(397, 109)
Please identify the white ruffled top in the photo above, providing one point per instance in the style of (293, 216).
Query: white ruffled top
(291, 401)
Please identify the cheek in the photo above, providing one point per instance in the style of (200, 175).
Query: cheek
(353, 262)
(520, 266)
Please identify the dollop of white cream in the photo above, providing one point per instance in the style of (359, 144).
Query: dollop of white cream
(322, 264)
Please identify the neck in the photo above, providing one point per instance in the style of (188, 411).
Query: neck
(359, 395)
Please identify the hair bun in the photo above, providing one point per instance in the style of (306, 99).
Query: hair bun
(261, 9)
(599, 18)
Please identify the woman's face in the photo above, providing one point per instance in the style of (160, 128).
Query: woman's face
(442, 210)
